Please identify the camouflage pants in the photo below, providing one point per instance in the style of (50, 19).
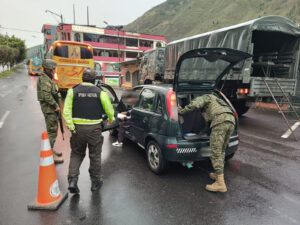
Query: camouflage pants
(51, 125)
(86, 136)
(219, 140)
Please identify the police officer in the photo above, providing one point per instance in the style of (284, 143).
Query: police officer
(47, 91)
(84, 106)
(222, 122)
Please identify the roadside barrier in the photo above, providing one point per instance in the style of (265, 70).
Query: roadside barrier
(49, 196)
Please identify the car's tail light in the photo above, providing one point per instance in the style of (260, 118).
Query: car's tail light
(236, 115)
(243, 91)
(172, 105)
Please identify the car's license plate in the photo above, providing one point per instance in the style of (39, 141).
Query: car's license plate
(233, 143)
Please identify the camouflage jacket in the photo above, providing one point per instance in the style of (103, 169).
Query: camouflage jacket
(214, 110)
(46, 90)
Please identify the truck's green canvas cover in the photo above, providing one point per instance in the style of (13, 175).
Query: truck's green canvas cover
(236, 37)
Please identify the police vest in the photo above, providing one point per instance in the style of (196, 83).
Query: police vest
(87, 103)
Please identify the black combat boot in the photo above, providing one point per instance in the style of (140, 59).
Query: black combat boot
(73, 188)
(96, 185)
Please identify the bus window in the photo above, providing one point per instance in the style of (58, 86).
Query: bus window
(85, 53)
(61, 51)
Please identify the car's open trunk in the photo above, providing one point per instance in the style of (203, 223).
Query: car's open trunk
(193, 126)
(274, 54)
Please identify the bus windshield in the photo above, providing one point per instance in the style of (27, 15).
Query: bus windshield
(73, 52)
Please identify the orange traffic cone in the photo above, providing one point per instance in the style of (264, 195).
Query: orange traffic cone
(49, 196)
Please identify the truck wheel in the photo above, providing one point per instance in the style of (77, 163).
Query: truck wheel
(148, 81)
(228, 157)
(156, 161)
(241, 107)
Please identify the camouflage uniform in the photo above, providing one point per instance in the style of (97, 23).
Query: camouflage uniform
(222, 122)
(46, 88)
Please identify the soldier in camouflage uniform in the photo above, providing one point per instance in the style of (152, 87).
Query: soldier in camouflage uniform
(222, 122)
(46, 90)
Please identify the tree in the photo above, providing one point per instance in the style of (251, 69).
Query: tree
(16, 43)
(8, 56)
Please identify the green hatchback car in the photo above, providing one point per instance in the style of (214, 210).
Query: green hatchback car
(155, 124)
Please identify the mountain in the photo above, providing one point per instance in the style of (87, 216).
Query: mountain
(176, 19)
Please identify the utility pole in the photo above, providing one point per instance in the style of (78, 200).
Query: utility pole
(117, 28)
(74, 13)
(6, 39)
(59, 15)
(87, 14)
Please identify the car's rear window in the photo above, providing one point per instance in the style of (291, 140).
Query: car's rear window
(200, 69)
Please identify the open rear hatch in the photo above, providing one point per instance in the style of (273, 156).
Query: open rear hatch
(198, 72)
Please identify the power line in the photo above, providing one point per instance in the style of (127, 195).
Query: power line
(17, 29)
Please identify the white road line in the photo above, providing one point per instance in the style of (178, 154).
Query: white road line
(4, 118)
(289, 132)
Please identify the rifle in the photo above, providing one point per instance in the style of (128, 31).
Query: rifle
(59, 117)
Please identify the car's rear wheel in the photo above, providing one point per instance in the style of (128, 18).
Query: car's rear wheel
(156, 161)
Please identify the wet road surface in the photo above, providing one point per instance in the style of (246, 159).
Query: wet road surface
(263, 178)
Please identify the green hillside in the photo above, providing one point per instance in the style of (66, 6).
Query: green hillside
(181, 18)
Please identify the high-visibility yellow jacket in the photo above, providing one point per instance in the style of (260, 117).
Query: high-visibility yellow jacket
(68, 109)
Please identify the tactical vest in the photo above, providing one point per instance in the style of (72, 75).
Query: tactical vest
(87, 103)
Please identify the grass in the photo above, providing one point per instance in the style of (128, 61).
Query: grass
(7, 73)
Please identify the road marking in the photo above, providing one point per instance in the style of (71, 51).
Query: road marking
(289, 132)
(4, 118)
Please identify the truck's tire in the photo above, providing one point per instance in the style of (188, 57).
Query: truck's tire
(148, 81)
(155, 159)
(240, 107)
(228, 157)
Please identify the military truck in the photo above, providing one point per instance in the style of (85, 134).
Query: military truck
(152, 66)
(273, 41)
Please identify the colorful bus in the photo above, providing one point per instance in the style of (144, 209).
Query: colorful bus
(72, 58)
(35, 66)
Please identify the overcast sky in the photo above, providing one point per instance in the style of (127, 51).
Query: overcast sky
(30, 14)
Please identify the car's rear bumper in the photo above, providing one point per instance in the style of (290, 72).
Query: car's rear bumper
(180, 150)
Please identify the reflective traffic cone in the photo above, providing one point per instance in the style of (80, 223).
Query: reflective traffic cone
(49, 196)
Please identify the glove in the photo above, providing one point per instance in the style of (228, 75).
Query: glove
(180, 109)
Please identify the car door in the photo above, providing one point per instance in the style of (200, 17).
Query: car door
(141, 116)
(114, 101)
(157, 124)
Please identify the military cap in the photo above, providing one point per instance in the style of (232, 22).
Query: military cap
(49, 64)
(89, 74)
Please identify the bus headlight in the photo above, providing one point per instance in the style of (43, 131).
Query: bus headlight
(55, 76)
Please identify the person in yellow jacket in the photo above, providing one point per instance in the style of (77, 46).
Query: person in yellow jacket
(85, 105)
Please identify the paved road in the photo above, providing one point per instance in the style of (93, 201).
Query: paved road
(263, 178)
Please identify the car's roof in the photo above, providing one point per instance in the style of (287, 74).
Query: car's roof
(158, 87)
